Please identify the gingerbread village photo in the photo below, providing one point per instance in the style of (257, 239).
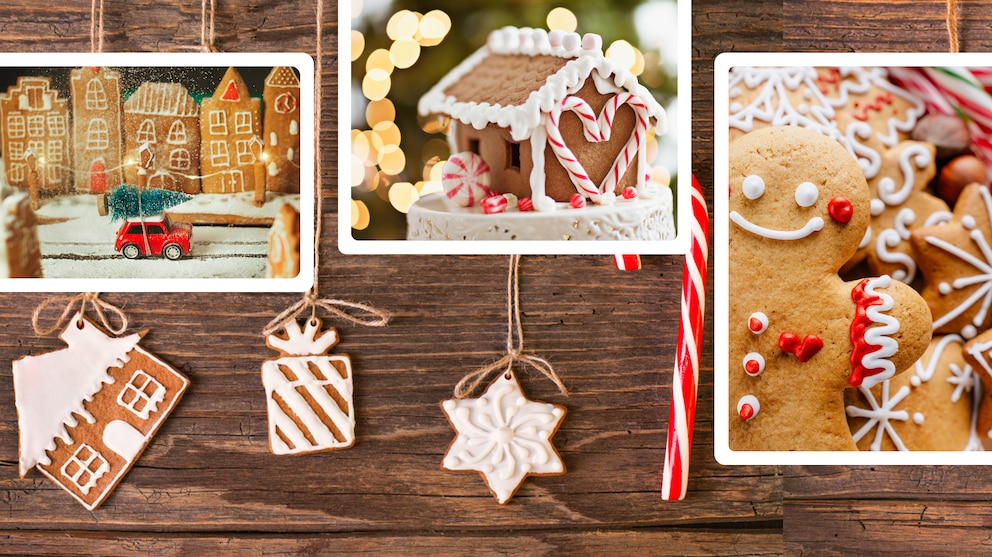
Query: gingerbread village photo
(151, 172)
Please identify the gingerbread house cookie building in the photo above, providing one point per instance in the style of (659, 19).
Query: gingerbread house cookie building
(166, 118)
(97, 140)
(35, 134)
(229, 126)
(552, 117)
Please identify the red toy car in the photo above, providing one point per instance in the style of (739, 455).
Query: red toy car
(164, 237)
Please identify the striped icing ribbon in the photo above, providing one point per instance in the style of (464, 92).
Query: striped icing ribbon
(685, 381)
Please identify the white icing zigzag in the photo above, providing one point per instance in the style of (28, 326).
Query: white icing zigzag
(880, 335)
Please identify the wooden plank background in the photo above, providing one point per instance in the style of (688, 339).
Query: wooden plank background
(208, 483)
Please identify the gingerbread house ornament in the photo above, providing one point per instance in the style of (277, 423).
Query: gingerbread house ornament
(229, 125)
(87, 411)
(309, 392)
(34, 128)
(97, 139)
(166, 118)
(281, 130)
(551, 116)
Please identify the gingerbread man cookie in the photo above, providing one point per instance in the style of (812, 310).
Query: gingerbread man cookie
(956, 261)
(927, 408)
(798, 210)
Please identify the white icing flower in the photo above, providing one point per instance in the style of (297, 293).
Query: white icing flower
(504, 436)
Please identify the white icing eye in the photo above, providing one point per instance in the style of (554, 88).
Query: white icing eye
(748, 407)
(753, 187)
(807, 194)
(757, 322)
(754, 364)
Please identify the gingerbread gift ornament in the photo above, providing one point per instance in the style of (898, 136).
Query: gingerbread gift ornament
(799, 334)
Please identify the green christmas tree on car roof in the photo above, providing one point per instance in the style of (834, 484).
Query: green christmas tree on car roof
(127, 201)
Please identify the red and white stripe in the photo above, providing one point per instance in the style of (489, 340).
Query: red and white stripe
(465, 178)
(598, 129)
(627, 262)
(685, 382)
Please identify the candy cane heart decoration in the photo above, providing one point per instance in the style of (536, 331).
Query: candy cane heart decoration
(598, 129)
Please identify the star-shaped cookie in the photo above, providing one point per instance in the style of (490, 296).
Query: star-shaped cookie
(504, 436)
(956, 261)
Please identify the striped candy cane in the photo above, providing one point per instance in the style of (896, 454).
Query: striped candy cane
(597, 129)
(955, 91)
(685, 381)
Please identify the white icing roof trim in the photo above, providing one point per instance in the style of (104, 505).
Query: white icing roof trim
(49, 388)
(586, 55)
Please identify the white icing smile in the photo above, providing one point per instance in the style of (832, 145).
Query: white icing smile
(814, 224)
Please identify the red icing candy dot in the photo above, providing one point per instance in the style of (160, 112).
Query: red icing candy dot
(629, 193)
(747, 411)
(577, 201)
(840, 210)
(752, 367)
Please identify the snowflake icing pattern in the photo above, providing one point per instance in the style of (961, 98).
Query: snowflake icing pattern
(880, 416)
(980, 300)
(503, 436)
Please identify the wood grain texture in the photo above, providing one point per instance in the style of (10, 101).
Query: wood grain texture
(208, 484)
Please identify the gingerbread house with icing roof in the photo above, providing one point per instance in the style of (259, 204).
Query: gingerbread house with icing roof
(166, 118)
(551, 116)
(87, 411)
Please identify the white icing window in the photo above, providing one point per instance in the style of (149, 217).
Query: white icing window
(16, 172)
(56, 124)
(15, 126)
(177, 133)
(97, 135)
(85, 467)
(218, 122)
(243, 147)
(96, 97)
(15, 151)
(242, 122)
(141, 395)
(294, 127)
(37, 147)
(54, 152)
(273, 139)
(36, 125)
(179, 159)
(54, 174)
(218, 154)
(146, 132)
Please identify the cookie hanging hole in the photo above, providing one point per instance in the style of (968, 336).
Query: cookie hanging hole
(80, 323)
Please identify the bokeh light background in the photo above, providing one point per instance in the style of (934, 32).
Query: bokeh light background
(400, 49)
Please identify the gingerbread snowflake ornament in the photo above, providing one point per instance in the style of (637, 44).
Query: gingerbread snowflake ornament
(504, 436)
(308, 391)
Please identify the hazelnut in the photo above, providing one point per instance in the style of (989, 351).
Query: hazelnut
(948, 133)
(958, 173)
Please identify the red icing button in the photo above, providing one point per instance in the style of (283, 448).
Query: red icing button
(747, 411)
(752, 367)
(803, 349)
(840, 210)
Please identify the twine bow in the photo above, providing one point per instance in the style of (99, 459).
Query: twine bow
(514, 350)
(368, 316)
(93, 299)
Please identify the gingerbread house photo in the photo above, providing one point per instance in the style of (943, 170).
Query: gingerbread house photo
(550, 136)
(87, 411)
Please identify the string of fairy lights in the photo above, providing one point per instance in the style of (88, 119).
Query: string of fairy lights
(379, 157)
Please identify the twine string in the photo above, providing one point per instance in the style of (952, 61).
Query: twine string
(514, 343)
(952, 26)
(207, 34)
(92, 299)
(96, 26)
(360, 314)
